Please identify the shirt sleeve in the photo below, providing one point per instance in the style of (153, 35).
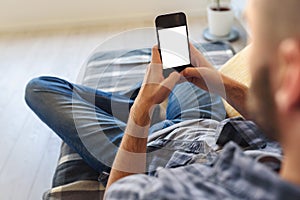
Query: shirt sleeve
(244, 133)
(130, 187)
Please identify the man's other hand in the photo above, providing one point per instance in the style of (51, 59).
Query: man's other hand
(203, 74)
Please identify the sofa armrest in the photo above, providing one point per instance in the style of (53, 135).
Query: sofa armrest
(237, 68)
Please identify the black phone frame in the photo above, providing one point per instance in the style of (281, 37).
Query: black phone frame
(170, 21)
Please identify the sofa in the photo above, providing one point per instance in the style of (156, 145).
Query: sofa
(73, 178)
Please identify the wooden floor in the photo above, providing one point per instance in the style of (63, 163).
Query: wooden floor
(28, 149)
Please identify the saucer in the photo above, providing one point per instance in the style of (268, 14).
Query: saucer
(232, 36)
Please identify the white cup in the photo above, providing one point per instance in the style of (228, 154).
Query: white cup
(220, 22)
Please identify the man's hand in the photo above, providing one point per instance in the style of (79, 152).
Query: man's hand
(155, 89)
(197, 59)
(203, 74)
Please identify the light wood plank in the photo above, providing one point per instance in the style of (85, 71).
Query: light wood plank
(46, 168)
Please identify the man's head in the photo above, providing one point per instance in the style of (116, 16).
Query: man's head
(275, 67)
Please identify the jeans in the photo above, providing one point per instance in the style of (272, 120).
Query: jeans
(92, 122)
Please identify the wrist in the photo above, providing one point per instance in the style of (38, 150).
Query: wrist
(140, 113)
(136, 129)
(233, 87)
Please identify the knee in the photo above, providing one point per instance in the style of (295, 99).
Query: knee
(37, 87)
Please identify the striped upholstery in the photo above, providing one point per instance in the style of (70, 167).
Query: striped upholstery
(121, 69)
(110, 71)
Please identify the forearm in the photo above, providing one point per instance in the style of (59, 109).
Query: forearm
(129, 160)
(236, 95)
(131, 156)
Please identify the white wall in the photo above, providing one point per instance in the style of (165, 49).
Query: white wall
(28, 14)
(239, 7)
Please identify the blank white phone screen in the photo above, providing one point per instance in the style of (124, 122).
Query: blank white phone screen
(174, 47)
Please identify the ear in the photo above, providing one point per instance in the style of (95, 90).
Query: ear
(287, 96)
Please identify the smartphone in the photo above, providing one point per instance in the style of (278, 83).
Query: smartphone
(173, 42)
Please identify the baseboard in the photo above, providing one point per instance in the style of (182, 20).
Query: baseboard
(138, 20)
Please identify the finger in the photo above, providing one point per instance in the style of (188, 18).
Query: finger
(171, 81)
(191, 72)
(155, 55)
(182, 79)
(193, 49)
(167, 85)
(191, 45)
(156, 65)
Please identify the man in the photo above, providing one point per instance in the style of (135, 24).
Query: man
(275, 103)
(233, 174)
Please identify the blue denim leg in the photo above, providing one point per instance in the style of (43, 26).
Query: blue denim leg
(90, 121)
(188, 101)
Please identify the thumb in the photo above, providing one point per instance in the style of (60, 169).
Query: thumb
(171, 81)
(155, 55)
(191, 72)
